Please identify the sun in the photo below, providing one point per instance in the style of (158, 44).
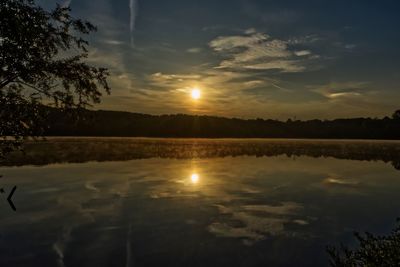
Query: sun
(194, 178)
(196, 94)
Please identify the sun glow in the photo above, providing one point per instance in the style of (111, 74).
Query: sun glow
(196, 94)
(194, 178)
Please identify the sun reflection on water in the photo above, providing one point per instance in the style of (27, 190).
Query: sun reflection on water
(194, 178)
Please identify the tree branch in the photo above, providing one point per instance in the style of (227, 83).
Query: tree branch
(47, 94)
(7, 81)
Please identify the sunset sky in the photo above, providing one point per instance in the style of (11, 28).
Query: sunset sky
(248, 58)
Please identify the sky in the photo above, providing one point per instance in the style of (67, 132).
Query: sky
(249, 58)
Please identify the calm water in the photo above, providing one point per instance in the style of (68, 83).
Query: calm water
(222, 208)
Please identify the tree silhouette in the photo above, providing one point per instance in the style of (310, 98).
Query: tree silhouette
(42, 57)
(396, 115)
(372, 251)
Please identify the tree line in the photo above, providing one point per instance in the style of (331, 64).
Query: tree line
(116, 123)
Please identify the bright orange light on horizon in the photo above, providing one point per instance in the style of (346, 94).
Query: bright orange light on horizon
(194, 178)
(196, 94)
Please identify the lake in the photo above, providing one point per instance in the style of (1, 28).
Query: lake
(194, 202)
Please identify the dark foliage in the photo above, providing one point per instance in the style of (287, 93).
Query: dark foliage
(113, 123)
(396, 115)
(373, 251)
(19, 117)
(42, 60)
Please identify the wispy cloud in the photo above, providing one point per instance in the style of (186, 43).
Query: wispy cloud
(350, 46)
(339, 90)
(308, 39)
(113, 42)
(284, 65)
(250, 31)
(257, 221)
(133, 7)
(302, 53)
(66, 3)
(194, 50)
(258, 51)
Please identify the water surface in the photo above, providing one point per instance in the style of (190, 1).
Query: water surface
(194, 202)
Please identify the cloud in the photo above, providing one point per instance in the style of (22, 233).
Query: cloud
(302, 53)
(338, 181)
(225, 92)
(342, 90)
(250, 31)
(254, 83)
(113, 42)
(284, 65)
(229, 42)
(133, 7)
(217, 81)
(308, 39)
(194, 50)
(257, 222)
(162, 77)
(112, 60)
(258, 51)
(350, 46)
(66, 3)
(343, 94)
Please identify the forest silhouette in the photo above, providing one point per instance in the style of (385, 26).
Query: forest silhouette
(126, 124)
